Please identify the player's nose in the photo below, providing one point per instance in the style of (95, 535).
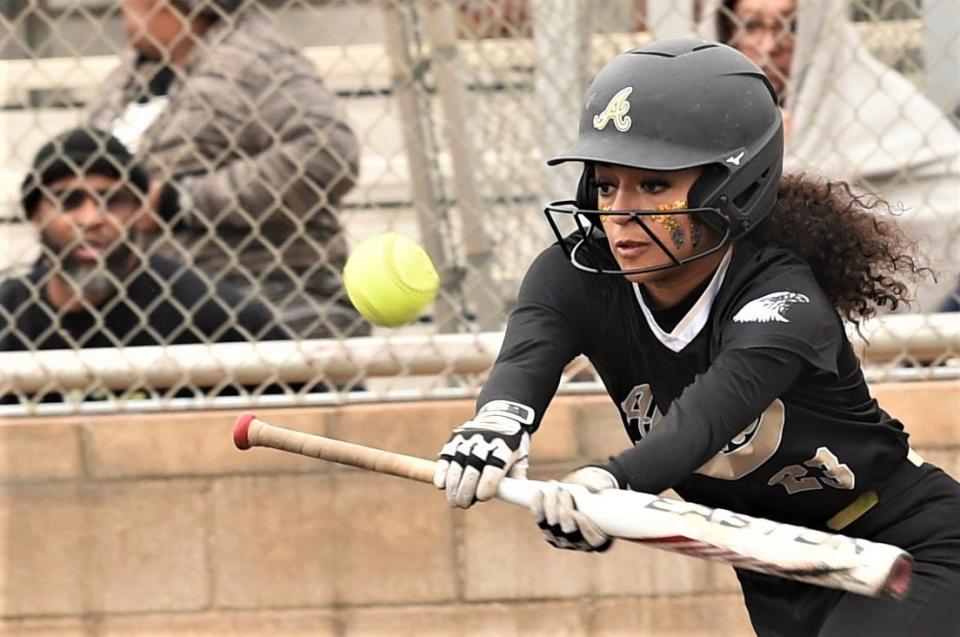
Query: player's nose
(622, 203)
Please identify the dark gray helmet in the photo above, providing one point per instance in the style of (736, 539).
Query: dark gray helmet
(677, 104)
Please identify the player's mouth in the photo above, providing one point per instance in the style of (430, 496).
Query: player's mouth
(630, 249)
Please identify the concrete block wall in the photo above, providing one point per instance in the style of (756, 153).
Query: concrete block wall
(132, 525)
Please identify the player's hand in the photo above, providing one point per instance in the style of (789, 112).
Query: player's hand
(496, 443)
(556, 513)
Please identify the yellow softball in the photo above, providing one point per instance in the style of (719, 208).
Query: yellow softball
(390, 279)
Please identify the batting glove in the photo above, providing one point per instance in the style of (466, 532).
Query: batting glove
(496, 443)
(556, 513)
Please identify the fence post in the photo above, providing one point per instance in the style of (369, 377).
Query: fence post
(561, 39)
(478, 287)
(426, 179)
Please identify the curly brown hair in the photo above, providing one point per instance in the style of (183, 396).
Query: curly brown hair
(858, 253)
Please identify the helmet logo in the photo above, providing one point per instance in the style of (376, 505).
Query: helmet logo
(735, 159)
(616, 112)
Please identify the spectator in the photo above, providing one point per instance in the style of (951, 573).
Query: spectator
(90, 287)
(225, 113)
(849, 115)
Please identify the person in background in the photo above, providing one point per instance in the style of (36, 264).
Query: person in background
(91, 287)
(248, 153)
(848, 115)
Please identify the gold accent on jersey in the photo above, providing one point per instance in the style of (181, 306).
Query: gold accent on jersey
(852, 512)
(750, 448)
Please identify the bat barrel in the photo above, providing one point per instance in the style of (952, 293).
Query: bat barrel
(898, 582)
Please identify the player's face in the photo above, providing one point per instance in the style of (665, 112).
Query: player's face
(764, 32)
(631, 238)
(85, 225)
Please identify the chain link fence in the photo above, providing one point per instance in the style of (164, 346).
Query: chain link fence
(278, 134)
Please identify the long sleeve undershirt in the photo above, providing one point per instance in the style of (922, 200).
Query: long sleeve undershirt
(718, 405)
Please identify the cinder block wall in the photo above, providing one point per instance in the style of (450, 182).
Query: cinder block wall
(155, 525)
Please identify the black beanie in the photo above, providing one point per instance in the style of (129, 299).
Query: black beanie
(78, 152)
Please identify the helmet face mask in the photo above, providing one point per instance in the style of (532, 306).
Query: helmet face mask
(590, 253)
(674, 105)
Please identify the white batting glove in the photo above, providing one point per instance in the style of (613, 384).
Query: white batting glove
(496, 443)
(556, 513)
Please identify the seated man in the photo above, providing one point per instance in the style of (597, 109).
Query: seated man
(91, 287)
(248, 152)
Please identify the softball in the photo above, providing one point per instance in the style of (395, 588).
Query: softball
(390, 279)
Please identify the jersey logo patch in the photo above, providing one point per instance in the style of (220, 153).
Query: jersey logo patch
(616, 112)
(771, 307)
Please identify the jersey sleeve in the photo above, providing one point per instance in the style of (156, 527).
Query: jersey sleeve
(786, 311)
(543, 334)
(710, 412)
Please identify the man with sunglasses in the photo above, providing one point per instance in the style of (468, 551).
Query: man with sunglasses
(92, 286)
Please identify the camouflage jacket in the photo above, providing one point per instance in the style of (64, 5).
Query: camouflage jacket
(263, 155)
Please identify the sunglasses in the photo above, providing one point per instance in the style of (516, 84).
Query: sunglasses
(115, 200)
(755, 27)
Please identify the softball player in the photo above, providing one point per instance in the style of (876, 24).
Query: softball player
(708, 293)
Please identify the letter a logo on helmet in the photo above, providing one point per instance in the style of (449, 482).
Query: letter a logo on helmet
(616, 112)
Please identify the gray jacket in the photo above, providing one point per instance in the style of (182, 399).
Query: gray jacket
(261, 152)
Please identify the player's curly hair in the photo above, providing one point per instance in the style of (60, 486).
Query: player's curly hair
(858, 253)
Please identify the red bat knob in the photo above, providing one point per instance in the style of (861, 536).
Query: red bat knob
(240, 429)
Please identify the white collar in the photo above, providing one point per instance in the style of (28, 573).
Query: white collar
(687, 329)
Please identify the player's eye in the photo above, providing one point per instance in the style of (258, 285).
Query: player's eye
(654, 186)
(606, 189)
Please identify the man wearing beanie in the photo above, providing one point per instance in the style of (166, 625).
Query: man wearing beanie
(248, 153)
(91, 286)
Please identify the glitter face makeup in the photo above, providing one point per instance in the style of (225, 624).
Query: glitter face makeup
(670, 222)
(696, 232)
(643, 214)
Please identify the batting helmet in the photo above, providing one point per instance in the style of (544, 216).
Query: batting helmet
(678, 104)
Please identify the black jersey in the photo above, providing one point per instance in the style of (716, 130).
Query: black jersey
(800, 456)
